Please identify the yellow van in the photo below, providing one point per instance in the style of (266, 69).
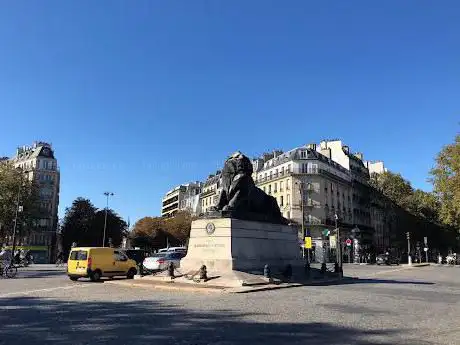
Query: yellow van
(96, 262)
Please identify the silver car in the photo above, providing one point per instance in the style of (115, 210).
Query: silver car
(160, 261)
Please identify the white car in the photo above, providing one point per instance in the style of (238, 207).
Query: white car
(160, 261)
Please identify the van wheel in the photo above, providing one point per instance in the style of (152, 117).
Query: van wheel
(95, 276)
(74, 279)
(131, 273)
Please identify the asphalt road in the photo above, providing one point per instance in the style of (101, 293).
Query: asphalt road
(388, 305)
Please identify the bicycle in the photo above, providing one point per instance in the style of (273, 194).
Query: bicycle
(60, 263)
(9, 271)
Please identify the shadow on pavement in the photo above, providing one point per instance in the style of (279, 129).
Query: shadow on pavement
(46, 321)
(38, 274)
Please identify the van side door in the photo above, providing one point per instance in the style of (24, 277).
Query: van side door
(121, 262)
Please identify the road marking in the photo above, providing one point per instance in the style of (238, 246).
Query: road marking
(389, 271)
(67, 287)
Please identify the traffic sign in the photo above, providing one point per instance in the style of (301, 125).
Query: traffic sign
(348, 242)
(332, 242)
(307, 242)
(326, 232)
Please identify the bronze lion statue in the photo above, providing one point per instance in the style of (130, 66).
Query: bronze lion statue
(240, 197)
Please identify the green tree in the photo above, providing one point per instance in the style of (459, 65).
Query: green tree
(149, 232)
(394, 186)
(77, 223)
(446, 182)
(14, 184)
(179, 226)
(115, 230)
(84, 225)
(425, 205)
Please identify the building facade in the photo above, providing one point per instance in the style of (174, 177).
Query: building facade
(39, 164)
(181, 198)
(210, 192)
(191, 199)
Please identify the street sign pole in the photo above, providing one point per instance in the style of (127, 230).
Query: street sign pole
(409, 259)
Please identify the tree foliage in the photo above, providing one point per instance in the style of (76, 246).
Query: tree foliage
(418, 202)
(394, 186)
(84, 224)
(446, 182)
(157, 231)
(13, 183)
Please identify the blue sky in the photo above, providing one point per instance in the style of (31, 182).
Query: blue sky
(139, 96)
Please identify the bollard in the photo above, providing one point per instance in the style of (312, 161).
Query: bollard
(267, 273)
(287, 273)
(203, 273)
(171, 270)
(307, 270)
(323, 268)
(336, 267)
(141, 269)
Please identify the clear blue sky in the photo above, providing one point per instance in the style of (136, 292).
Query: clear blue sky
(139, 96)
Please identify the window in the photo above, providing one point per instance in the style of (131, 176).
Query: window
(289, 168)
(303, 154)
(119, 256)
(288, 199)
(269, 189)
(276, 187)
(281, 200)
(78, 255)
(264, 189)
(287, 185)
(271, 175)
(282, 170)
(281, 186)
(312, 168)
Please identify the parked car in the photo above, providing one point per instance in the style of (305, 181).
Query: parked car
(160, 261)
(385, 259)
(173, 250)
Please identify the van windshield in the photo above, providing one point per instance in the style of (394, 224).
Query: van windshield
(78, 255)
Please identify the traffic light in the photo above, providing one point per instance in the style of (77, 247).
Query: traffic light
(408, 235)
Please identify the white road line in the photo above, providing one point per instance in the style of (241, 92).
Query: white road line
(67, 287)
(389, 271)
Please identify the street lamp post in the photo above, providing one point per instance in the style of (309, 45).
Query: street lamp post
(338, 246)
(300, 184)
(107, 194)
(18, 209)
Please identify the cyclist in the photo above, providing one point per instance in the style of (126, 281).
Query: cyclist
(5, 258)
(60, 259)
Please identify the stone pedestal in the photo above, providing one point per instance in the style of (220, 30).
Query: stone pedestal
(226, 245)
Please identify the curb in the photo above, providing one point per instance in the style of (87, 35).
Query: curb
(416, 265)
(214, 289)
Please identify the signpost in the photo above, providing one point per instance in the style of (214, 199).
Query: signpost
(332, 241)
(425, 240)
(308, 246)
